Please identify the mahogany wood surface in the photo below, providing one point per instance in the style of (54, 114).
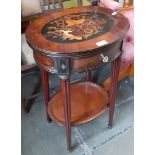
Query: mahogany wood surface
(45, 85)
(115, 65)
(82, 63)
(88, 101)
(38, 42)
(66, 106)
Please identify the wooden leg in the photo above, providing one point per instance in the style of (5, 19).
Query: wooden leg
(115, 65)
(65, 88)
(88, 75)
(45, 86)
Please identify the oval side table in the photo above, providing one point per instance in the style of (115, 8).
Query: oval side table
(77, 40)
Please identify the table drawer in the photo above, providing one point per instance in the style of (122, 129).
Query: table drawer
(93, 61)
(79, 64)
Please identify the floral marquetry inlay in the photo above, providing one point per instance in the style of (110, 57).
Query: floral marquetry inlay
(77, 27)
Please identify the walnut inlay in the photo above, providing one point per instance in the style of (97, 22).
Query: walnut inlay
(77, 27)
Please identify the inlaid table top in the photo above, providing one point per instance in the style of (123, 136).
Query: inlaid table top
(75, 30)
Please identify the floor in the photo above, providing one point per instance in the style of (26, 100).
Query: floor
(93, 138)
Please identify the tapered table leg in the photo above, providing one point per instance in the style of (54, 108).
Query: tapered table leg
(88, 75)
(115, 65)
(45, 86)
(65, 88)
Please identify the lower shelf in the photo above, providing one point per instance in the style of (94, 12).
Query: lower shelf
(88, 101)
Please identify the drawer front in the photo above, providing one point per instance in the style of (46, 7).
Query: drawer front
(96, 60)
(77, 64)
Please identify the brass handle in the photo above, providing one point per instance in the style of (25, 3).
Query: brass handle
(104, 58)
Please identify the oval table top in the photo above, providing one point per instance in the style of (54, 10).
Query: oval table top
(76, 30)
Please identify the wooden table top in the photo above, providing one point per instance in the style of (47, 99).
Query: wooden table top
(75, 30)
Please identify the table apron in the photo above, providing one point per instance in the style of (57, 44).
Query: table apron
(63, 66)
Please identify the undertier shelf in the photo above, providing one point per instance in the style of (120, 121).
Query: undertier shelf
(88, 101)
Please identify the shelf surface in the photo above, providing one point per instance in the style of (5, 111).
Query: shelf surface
(88, 101)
